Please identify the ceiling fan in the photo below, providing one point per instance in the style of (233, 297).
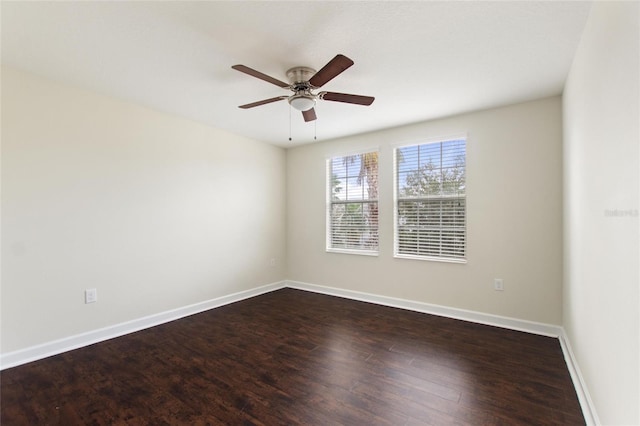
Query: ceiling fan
(303, 81)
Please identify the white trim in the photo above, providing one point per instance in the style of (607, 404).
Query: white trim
(329, 157)
(432, 139)
(358, 252)
(550, 330)
(428, 308)
(329, 202)
(397, 199)
(430, 258)
(586, 403)
(34, 353)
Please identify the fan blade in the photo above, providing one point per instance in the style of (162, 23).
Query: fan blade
(263, 102)
(309, 115)
(259, 75)
(345, 97)
(329, 71)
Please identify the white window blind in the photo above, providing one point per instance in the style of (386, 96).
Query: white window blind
(431, 200)
(352, 203)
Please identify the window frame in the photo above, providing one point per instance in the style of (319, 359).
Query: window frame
(330, 202)
(397, 199)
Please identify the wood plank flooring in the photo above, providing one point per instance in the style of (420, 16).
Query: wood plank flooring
(294, 357)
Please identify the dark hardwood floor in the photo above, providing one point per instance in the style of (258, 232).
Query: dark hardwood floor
(294, 357)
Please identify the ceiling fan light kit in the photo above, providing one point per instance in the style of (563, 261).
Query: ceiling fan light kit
(302, 102)
(302, 82)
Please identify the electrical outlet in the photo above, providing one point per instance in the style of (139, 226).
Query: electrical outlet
(90, 295)
(498, 284)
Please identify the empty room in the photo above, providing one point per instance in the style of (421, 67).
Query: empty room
(320, 213)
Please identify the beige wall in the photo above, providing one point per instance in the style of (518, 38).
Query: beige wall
(154, 211)
(601, 132)
(514, 195)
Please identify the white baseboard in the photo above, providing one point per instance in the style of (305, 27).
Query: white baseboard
(34, 353)
(588, 408)
(586, 404)
(427, 308)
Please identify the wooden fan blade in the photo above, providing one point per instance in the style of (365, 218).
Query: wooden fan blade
(345, 97)
(309, 115)
(260, 75)
(263, 102)
(329, 71)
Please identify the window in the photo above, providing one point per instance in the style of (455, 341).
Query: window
(352, 204)
(430, 201)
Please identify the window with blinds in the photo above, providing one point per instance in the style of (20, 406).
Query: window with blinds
(430, 201)
(352, 203)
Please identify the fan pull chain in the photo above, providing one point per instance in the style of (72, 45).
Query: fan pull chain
(289, 123)
(315, 129)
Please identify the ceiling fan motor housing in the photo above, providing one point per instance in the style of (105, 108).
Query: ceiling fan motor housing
(300, 75)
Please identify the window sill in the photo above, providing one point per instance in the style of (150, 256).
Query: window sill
(431, 258)
(357, 252)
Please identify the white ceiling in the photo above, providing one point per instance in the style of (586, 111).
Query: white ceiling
(421, 60)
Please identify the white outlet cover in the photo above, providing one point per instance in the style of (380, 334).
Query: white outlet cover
(90, 295)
